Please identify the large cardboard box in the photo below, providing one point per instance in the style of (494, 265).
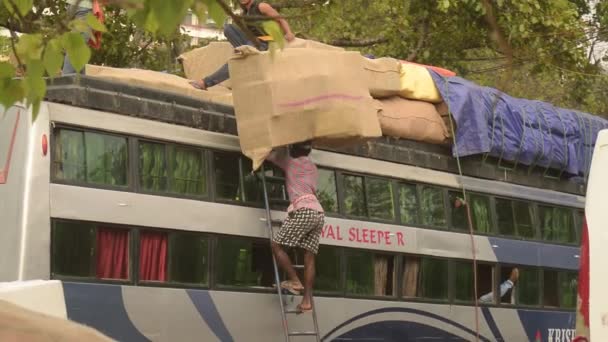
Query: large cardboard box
(299, 94)
(383, 76)
(204, 61)
(300, 43)
(161, 81)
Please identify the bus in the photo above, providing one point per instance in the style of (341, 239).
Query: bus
(141, 204)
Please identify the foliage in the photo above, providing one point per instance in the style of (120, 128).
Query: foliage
(48, 29)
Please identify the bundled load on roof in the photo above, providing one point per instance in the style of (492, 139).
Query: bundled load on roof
(316, 91)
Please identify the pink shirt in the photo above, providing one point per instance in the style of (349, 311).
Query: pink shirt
(300, 179)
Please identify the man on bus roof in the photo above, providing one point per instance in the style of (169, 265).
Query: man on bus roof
(305, 218)
(236, 37)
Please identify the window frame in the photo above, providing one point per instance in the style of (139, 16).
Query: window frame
(539, 229)
(56, 127)
(397, 272)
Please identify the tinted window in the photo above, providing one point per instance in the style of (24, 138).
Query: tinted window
(326, 190)
(568, 286)
(328, 269)
(380, 199)
(432, 206)
(90, 157)
(433, 278)
(528, 286)
(463, 281)
(514, 218)
(227, 176)
(480, 213)
(550, 288)
(252, 185)
(557, 224)
(244, 263)
(369, 273)
(189, 261)
(504, 217)
(408, 204)
(73, 249)
(354, 196)
(524, 219)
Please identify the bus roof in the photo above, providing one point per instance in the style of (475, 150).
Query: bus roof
(152, 104)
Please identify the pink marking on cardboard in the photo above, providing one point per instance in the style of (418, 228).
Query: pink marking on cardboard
(321, 98)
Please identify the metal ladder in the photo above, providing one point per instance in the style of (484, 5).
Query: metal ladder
(284, 312)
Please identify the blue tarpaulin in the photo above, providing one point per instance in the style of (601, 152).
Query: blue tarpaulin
(521, 131)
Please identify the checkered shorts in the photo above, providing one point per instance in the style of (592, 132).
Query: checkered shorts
(302, 228)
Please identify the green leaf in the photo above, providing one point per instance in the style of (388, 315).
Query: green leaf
(53, 57)
(35, 86)
(274, 30)
(29, 46)
(78, 52)
(7, 70)
(24, 6)
(11, 92)
(95, 24)
(79, 25)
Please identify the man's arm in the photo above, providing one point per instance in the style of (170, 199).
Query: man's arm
(504, 287)
(267, 10)
(279, 156)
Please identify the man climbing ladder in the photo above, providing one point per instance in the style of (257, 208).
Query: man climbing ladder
(305, 218)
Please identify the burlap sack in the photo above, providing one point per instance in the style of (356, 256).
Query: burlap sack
(298, 95)
(310, 44)
(160, 81)
(383, 76)
(414, 120)
(204, 61)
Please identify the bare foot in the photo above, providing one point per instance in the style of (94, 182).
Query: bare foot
(304, 308)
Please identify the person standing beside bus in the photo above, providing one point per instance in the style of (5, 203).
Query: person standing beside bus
(305, 218)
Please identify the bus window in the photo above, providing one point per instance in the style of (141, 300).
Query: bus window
(432, 206)
(73, 247)
(152, 256)
(326, 190)
(480, 213)
(557, 224)
(328, 270)
(379, 195)
(189, 260)
(568, 286)
(433, 278)
(243, 262)
(408, 203)
(528, 286)
(354, 196)
(188, 171)
(227, 176)
(464, 290)
(458, 210)
(369, 273)
(514, 218)
(87, 157)
(152, 166)
(550, 288)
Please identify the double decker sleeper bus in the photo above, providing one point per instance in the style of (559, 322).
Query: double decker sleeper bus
(140, 202)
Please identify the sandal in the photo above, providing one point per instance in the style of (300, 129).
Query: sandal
(196, 85)
(302, 310)
(291, 287)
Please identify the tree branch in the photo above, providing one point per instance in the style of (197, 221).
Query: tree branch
(358, 42)
(424, 31)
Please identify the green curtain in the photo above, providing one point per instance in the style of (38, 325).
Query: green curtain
(380, 199)
(568, 289)
(408, 204)
(504, 217)
(481, 213)
(70, 154)
(432, 204)
(152, 167)
(434, 278)
(188, 172)
(523, 219)
(557, 224)
(528, 287)
(464, 287)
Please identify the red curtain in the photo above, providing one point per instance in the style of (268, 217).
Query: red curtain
(153, 256)
(112, 253)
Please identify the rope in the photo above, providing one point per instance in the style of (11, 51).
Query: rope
(469, 218)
